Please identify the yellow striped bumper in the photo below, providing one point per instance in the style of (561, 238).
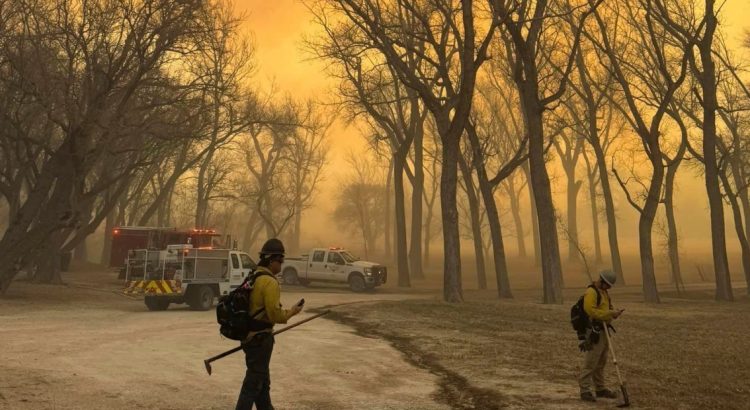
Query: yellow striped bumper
(153, 287)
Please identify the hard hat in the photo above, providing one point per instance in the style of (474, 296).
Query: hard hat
(608, 276)
(272, 246)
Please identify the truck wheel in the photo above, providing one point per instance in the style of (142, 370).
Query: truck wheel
(290, 277)
(356, 283)
(156, 303)
(203, 299)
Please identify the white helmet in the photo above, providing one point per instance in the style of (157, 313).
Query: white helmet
(608, 276)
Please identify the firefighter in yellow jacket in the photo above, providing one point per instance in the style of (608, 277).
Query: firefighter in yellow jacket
(600, 312)
(258, 347)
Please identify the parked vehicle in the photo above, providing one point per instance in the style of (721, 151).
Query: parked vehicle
(127, 238)
(333, 265)
(184, 274)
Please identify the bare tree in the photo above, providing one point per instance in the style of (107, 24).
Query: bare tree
(221, 67)
(308, 155)
(359, 203)
(453, 48)
(569, 148)
(513, 190)
(370, 88)
(475, 219)
(672, 165)
(495, 146)
(524, 35)
(592, 174)
(432, 155)
(683, 23)
(93, 95)
(648, 69)
(265, 150)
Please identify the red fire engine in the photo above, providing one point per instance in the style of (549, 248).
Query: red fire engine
(125, 238)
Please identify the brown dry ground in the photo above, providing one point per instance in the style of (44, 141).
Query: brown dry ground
(689, 352)
(83, 347)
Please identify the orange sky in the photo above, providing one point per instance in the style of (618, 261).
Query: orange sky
(278, 27)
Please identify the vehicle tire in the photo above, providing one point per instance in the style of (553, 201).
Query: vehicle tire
(156, 303)
(290, 277)
(202, 299)
(356, 282)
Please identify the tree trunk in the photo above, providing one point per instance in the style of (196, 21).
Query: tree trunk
(476, 224)
(46, 211)
(549, 246)
(595, 218)
(401, 248)
(573, 243)
(415, 248)
(672, 241)
(427, 235)
(609, 208)
(744, 194)
(297, 232)
(452, 286)
(201, 201)
(708, 84)
(493, 218)
(515, 209)
(387, 199)
(645, 228)
(81, 252)
(534, 222)
(739, 228)
(109, 226)
(48, 261)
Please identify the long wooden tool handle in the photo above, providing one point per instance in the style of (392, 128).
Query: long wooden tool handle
(612, 352)
(325, 312)
(207, 362)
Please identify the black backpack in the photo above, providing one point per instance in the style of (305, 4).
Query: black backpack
(233, 310)
(578, 317)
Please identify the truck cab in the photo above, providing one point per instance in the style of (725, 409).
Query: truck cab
(333, 265)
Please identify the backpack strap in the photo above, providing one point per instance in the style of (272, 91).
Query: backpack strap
(598, 295)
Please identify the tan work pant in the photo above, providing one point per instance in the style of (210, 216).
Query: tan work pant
(593, 366)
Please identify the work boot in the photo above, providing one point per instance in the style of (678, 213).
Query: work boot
(606, 393)
(587, 396)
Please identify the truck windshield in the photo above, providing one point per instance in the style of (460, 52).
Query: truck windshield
(348, 257)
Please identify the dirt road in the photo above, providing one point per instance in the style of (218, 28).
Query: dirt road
(74, 348)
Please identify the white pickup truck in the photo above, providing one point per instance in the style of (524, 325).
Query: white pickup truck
(183, 274)
(333, 265)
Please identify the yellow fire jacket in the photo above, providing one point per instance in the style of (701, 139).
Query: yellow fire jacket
(601, 311)
(267, 294)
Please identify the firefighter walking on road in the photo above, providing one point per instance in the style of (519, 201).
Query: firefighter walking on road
(598, 307)
(258, 347)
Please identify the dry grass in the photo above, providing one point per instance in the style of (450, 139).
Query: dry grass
(688, 352)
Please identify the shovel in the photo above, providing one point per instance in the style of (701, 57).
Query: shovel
(623, 388)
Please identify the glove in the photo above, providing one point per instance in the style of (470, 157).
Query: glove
(585, 345)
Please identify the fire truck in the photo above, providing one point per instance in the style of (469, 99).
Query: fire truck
(184, 274)
(126, 238)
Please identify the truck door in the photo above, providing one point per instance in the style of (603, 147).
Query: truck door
(247, 264)
(236, 272)
(316, 267)
(336, 267)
